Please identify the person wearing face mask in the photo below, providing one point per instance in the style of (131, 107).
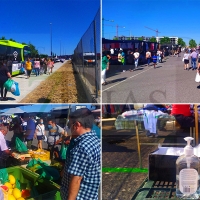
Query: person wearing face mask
(40, 133)
(54, 136)
(82, 171)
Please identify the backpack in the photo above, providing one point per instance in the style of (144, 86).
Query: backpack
(51, 140)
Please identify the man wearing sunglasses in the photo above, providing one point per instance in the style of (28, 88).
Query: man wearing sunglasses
(81, 176)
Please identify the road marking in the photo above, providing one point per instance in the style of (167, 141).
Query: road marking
(123, 170)
(127, 79)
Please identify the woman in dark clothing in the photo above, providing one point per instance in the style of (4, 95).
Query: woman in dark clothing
(4, 75)
(130, 61)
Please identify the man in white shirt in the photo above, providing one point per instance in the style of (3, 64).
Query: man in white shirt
(4, 151)
(136, 57)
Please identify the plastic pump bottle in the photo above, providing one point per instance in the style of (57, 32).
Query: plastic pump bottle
(187, 173)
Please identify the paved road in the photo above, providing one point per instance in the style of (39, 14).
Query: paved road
(28, 85)
(168, 83)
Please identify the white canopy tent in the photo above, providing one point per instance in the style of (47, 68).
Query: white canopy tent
(12, 111)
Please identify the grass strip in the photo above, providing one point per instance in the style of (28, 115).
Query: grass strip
(124, 170)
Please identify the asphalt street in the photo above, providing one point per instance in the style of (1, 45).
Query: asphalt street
(168, 83)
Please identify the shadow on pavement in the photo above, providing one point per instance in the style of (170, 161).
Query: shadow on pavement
(159, 66)
(198, 87)
(43, 100)
(116, 80)
(114, 146)
(10, 99)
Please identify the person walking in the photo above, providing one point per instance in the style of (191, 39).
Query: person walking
(49, 66)
(82, 170)
(105, 66)
(9, 65)
(4, 76)
(158, 56)
(186, 57)
(52, 65)
(123, 61)
(136, 57)
(45, 66)
(28, 67)
(130, 61)
(30, 130)
(40, 133)
(119, 57)
(194, 56)
(37, 66)
(148, 57)
(154, 57)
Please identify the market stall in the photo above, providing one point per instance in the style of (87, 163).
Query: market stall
(134, 119)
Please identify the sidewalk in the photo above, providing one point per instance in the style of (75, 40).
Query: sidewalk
(27, 85)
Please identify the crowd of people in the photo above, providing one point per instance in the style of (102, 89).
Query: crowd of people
(129, 61)
(38, 66)
(82, 167)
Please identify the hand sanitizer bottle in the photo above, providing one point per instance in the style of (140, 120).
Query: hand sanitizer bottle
(187, 173)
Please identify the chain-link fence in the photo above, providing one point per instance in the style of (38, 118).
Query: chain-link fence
(86, 58)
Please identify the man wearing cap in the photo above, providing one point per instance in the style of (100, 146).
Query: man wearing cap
(82, 171)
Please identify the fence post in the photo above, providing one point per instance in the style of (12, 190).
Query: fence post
(95, 51)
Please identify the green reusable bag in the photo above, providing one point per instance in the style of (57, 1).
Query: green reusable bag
(8, 84)
(3, 176)
(43, 169)
(63, 152)
(20, 146)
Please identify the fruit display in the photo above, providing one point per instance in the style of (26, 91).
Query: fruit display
(11, 192)
(41, 154)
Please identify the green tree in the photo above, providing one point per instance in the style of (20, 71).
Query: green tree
(165, 40)
(153, 39)
(12, 40)
(3, 38)
(140, 38)
(192, 43)
(181, 42)
(34, 51)
(115, 38)
(24, 43)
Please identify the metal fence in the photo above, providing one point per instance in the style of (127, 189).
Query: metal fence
(86, 58)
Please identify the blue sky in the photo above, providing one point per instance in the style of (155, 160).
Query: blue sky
(43, 107)
(29, 21)
(171, 18)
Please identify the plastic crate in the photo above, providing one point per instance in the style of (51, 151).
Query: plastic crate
(156, 190)
(40, 189)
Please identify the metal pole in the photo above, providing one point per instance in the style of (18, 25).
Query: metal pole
(138, 143)
(95, 51)
(196, 125)
(60, 48)
(51, 37)
(103, 27)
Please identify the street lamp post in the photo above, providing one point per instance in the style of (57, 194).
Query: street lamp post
(51, 37)
(103, 25)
